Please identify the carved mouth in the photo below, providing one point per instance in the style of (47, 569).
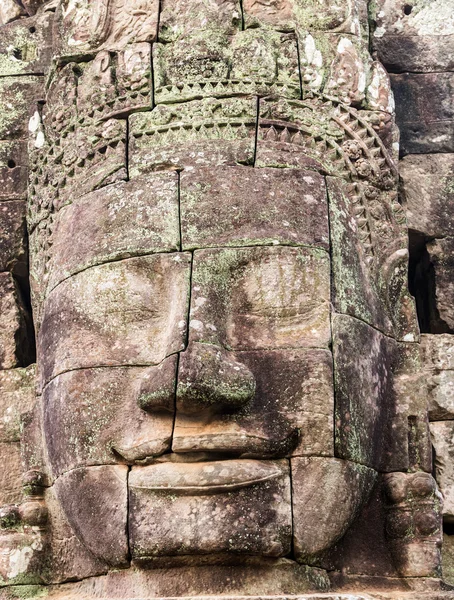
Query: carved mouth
(203, 478)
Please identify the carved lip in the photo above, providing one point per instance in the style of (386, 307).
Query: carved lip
(206, 477)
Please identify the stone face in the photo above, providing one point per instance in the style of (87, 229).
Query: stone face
(428, 190)
(139, 316)
(17, 396)
(238, 206)
(99, 411)
(119, 221)
(417, 36)
(14, 347)
(424, 126)
(172, 504)
(94, 501)
(442, 434)
(281, 400)
(208, 132)
(320, 518)
(260, 298)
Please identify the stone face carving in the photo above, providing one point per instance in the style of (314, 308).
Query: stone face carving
(228, 375)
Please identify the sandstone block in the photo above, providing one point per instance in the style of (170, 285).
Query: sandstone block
(11, 473)
(18, 94)
(127, 312)
(425, 126)
(261, 298)
(13, 245)
(20, 558)
(428, 189)
(241, 206)
(416, 36)
(448, 559)
(118, 221)
(94, 501)
(17, 396)
(14, 343)
(274, 403)
(442, 433)
(228, 507)
(13, 169)
(327, 494)
(208, 132)
(94, 416)
(438, 359)
(441, 256)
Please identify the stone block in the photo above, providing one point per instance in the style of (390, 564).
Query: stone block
(441, 256)
(11, 473)
(416, 36)
(370, 258)
(442, 433)
(94, 501)
(13, 169)
(79, 31)
(95, 416)
(261, 298)
(266, 403)
(17, 396)
(20, 559)
(227, 507)
(425, 127)
(427, 184)
(242, 206)
(15, 343)
(13, 245)
(26, 46)
(327, 495)
(118, 221)
(130, 312)
(9, 11)
(208, 132)
(437, 353)
(17, 96)
(447, 554)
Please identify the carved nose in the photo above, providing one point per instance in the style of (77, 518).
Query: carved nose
(210, 379)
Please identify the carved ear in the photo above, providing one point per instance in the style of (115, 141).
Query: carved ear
(399, 302)
(100, 22)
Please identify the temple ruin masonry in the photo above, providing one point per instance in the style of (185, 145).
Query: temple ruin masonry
(227, 299)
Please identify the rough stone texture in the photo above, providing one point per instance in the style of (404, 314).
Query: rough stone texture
(12, 237)
(441, 256)
(438, 360)
(425, 126)
(237, 206)
(327, 495)
(442, 433)
(427, 182)
(13, 169)
(448, 559)
(413, 36)
(11, 473)
(233, 506)
(17, 396)
(13, 324)
(283, 402)
(102, 223)
(16, 97)
(260, 298)
(100, 415)
(139, 316)
(94, 501)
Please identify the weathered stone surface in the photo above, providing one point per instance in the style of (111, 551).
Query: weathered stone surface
(208, 132)
(118, 221)
(441, 256)
(413, 523)
(320, 518)
(82, 29)
(427, 184)
(416, 36)
(20, 558)
(10, 474)
(245, 502)
(26, 46)
(425, 126)
(370, 258)
(9, 11)
(448, 559)
(100, 413)
(241, 206)
(262, 403)
(16, 98)
(442, 433)
(12, 237)
(17, 396)
(94, 501)
(13, 169)
(14, 347)
(261, 298)
(139, 316)
(438, 362)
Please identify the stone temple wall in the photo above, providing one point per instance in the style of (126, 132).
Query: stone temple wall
(200, 187)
